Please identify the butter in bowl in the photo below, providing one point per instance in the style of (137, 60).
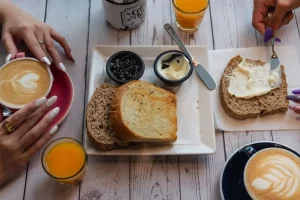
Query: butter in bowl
(173, 67)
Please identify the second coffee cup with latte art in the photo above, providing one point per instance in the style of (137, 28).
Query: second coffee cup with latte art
(273, 173)
(23, 81)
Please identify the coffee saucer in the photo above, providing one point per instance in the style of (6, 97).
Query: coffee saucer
(62, 87)
(231, 181)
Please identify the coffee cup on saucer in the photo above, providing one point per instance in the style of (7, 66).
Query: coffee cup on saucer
(262, 170)
(22, 81)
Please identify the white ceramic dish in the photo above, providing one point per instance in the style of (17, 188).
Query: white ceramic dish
(283, 121)
(196, 133)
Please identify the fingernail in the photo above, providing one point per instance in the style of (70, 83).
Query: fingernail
(268, 34)
(51, 101)
(54, 112)
(293, 98)
(277, 39)
(296, 91)
(72, 55)
(40, 101)
(62, 67)
(53, 130)
(7, 59)
(47, 61)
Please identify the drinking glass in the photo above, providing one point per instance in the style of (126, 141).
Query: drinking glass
(74, 178)
(187, 19)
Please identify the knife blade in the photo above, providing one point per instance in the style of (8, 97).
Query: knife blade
(275, 64)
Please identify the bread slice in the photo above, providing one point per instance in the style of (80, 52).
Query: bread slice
(273, 102)
(143, 112)
(98, 122)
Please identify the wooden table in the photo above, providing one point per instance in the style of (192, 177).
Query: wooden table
(227, 24)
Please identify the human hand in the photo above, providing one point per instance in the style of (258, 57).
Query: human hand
(281, 16)
(23, 134)
(295, 98)
(38, 36)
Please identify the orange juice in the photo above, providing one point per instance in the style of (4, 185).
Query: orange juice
(64, 160)
(189, 13)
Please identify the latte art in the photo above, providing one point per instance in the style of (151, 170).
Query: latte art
(23, 81)
(273, 174)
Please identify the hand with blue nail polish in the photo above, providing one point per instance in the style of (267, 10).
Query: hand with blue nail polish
(282, 15)
(19, 25)
(295, 98)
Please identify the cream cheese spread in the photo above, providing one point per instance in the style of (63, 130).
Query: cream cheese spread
(173, 66)
(248, 81)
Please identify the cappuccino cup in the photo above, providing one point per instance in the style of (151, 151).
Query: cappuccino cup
(22, 81)
(272, 173)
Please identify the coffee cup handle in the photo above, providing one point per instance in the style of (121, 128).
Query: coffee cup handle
(248, 150)
(18, 55)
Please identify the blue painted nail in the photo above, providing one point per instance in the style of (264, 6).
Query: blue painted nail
(268, 34)
(293, 98)
(296, 91)
(277, 39)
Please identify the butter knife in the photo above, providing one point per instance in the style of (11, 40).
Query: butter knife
(275, 64)
(202, 73)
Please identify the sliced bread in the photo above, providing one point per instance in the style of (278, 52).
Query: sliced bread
(143, 112)
(98, 122)
(273, 102)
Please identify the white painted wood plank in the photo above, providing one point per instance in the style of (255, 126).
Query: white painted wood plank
(154, 177)
(106, 176)
(199, 175)
(15, 188)
(71, 20)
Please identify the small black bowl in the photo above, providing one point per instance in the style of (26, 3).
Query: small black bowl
(118, 63)
(169, 82)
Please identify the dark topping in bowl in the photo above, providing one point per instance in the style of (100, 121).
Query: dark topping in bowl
(125, 67)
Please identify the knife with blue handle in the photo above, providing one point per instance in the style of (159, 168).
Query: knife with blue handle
(275, 64)
(202, 73)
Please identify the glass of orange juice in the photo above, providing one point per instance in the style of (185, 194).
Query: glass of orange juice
(64, 160)
(189, 13)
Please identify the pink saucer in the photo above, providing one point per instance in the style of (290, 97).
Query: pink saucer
(62, 88)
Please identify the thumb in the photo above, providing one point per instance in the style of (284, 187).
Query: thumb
(9, 45)
(276, 19)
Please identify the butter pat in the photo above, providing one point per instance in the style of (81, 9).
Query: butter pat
(248, 80)
(175, 69)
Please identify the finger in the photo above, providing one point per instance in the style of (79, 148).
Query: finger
(38, 144)
(34, 118)
(37, 131)
(40, 38)
(260, 13)
(53, 52)
(35, 47)
(287, 18)
(63, 42)
(296, 91)
(20, 116)
(276, 20)
(294, 98)
(10, 46)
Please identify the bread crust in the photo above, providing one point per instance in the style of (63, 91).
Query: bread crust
(273, 102)
(113, 142)
(121, 129)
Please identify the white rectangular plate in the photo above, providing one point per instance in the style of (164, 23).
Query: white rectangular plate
(196, 133)
(285, 121)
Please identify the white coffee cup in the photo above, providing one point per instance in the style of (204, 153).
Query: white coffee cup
(125, 15)
(17, 107)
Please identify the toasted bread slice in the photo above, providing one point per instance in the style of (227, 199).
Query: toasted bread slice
(143, 112)
(273, 102)
(98, 122)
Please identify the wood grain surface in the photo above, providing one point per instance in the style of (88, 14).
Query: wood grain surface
(227, 24)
